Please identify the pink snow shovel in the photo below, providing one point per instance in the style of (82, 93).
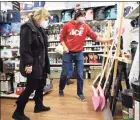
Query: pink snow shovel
(101, 91)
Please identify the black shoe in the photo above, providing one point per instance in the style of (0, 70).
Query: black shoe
(17, 116)
(81, 97)
(41, 108)
(61, 93)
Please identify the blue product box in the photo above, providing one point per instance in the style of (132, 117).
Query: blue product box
(28, 6)
(15, 28)
(39, 4)
(5, 29)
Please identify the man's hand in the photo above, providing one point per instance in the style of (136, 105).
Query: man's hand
(28, 69)
(66, 50)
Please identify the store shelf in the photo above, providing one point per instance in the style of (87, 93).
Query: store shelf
(126, 60)
(54, 41)
(87, 46)
(13, 95)
(51, 52)
(84, 64)
(92, 51)
(9, 35)
(133, 14)
(135, 30)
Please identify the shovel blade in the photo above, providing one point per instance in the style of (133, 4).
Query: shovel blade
(102, 99)
(95, 99)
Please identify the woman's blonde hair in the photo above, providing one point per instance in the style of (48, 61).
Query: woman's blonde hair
(41, 14)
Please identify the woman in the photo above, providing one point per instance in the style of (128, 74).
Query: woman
(34, 62)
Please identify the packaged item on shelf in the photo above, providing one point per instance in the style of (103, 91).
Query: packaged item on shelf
(15, 52)
(54, 18)
(100, 13)
(5, 29)
(85, 59)
(13, 16)
(17, 77)
(17, 64)
(14, 86)
(2, 76)
(89, 14)
(22, 79)
(55, 72)
(16, 5)
(7, 86)
(8, 66)
(3, 16)
(2, 86)
(127, 10)
(6, 53)
(20, 88)
(66, 16)
(111, 13)
(27, 6)
(95, 70)
(38, 4)
(15, 28)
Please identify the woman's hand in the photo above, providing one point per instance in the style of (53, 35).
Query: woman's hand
(28, 69)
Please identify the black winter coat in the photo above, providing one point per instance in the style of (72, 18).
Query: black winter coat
(33, 50)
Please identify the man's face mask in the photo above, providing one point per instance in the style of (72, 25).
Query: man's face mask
(81, 19)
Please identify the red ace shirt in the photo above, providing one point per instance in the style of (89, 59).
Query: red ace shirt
(74, 34)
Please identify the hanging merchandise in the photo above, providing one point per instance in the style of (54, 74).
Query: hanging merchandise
(89, 14)
(5, 29)
(26, 6)
(38, 4)
(100, 14)
(3, 16)
(111, 13)
(127, 10)
(66, 16)
(16, 5)
(6, 53)
(15, 28)
(13, 16)
(54, 18)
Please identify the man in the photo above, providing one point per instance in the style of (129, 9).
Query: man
(34, 62)
(72, 38)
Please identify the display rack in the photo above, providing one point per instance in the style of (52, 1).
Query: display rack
(133, 14)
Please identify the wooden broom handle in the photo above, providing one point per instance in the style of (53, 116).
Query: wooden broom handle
(109, 53)
(118, 47)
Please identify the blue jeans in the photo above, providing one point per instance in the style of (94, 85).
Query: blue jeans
(78, 59)
(70, 70)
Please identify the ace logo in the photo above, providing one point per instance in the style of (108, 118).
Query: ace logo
(77, 32)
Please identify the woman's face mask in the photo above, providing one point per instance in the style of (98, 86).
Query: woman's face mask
(81, 19)
(44, 23)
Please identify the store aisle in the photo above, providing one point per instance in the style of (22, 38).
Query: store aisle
(62, 108)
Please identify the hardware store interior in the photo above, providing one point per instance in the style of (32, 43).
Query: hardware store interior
(69, 60)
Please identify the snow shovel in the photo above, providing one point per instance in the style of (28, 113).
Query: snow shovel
(95, 98)
(101, 93)
(117, 54)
